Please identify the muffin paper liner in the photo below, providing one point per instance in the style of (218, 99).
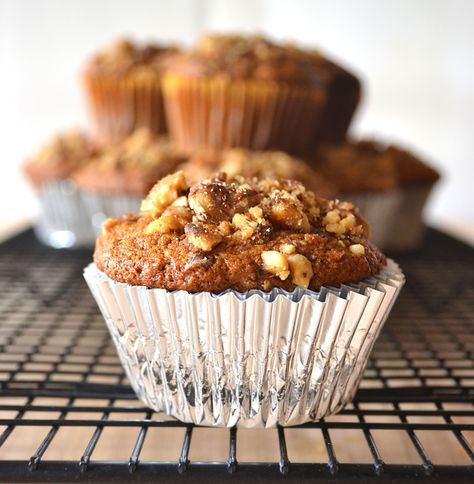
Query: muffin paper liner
(217, 113)
(100, 206)
(63, 221)
(381, 211)
(253, 360)
(120, 105)
(408, 228)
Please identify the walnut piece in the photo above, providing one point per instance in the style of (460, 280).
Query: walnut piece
(357, 249)
(173, 219)
(245, 226)
(202, 237)
(164, 193)
(301, 270)
(276, 263)
(216, 200)
(287, 211)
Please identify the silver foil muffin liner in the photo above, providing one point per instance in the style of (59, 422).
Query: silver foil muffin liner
(100, 206)
(63, 221)
(381, 210)
(252, 360)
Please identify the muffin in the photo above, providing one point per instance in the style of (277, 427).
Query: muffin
(234, 91)
(259, 164)
(115, 181)
(237, 302)
(62, 221)
(388, 184)
(122, 86)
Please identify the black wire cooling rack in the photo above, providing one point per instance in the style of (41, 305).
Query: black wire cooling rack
(68, 414)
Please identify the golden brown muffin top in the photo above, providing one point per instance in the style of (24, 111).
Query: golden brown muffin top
(371, 166)
(259, 164)
(241, 57)
(131, 166)
(59, 157)
(124, 56)
(229, 232)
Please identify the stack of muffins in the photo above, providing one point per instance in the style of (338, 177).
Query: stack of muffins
(243, 105)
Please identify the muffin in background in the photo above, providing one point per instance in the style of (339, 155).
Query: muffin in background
(63, 220)
(242, 302)
(237, 91)
(259, 164)
(122, 86)
(389, 185)
(114, 181)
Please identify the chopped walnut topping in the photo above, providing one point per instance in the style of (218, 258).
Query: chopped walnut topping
(287, 249)
(164, 193)
(301, 270)
(287, 211)
(276, 263)
(173, 219)
(216, 200)
(357, 249)
(202, 237)
(180, 202)
(245, 226)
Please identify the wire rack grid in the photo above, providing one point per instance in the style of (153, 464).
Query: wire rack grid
(67, 412)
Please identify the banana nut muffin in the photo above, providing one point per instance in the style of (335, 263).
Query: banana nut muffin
(259, 164)
(228, 232)
(131, 167)
(251, 92)
(122, 83)
(59, 157)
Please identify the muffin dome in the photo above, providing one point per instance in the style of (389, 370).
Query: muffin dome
(232, 233)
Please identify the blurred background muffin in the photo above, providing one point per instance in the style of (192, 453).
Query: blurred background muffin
(122, 86)
(389, 185)
(260, 164)
(62, 221)
(117, 179)
(247, 91)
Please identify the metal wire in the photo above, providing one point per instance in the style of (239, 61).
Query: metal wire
(54, 344)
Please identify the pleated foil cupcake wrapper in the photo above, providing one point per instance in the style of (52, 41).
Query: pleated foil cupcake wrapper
(119, 106)
(381, 210)
(252, 360)
(217, 114)
(101, 206)
(63, 221)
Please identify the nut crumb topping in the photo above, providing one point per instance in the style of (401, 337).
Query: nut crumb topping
(164, 193)
(224, 208)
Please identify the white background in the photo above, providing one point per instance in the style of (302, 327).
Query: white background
(415, 57)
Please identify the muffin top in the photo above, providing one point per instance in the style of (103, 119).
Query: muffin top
(240, 57)
(228, 232)
(124, 56)
(371, 166)
(59, 157)
(259, 164)
(131, 166)
(410, 169)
